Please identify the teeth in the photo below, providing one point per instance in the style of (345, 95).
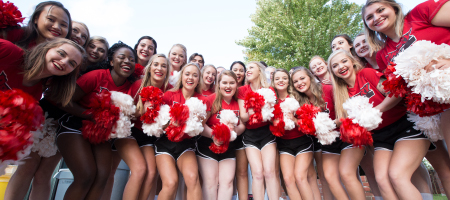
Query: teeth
(57, 66)
(125, 67)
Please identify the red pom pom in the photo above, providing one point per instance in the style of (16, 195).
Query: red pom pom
(154, 96)
(277, 126)
(9, 15)
(138, 70)
(105, 115)
(254, 101)
(179, 113)
(19, 114)
(354, 133)
(306, 114)
(423, 109)
(396, 86)
(222, 134)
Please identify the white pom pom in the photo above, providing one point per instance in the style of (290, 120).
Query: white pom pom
(125, 102)
(362, 112)
(433, 85)
(289, 105)
(427, 125)
(156, 128)
(44, 138)
(228, 117)
(325, 128)
(197, 112)
(233, 136)
(174, 78)
(269, 101)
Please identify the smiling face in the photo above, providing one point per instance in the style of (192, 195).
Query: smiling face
(227, 86)
(361, 46)
(281, 81)
(380, 17)
(96, 51)
(318, 67)
(123, 62)
(239, 70)
(270, 71)
(340, 43)
(79, 34)
(342, 66)
(209, 75)
(190, 77)
(62, 60)
(52, 22)
(177, 58)
(301, 80)
(145, 50)
(199, 61)
(253, 72)
(158, 69)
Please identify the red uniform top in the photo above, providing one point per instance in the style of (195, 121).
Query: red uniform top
(366, 85)
(417, 26)
(171, 97)
(215, 117)
(207, 92)
(95, 81)
(132, 92)
(11, 73)
(15, 35)
(329, 100)
(291, 134)
(242, 92)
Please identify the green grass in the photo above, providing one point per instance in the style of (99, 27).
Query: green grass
(439, 197)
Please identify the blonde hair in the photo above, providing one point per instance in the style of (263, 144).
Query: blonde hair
(261, 78)
(147, 80)
(217, 104)
(316, 57)
(290, 89)
(185, 54)
(88, 34)
(61, 88)
(376, 39)
(340, 91)
(99, 39)
(202, 83)
(314, 86)
(179, 84)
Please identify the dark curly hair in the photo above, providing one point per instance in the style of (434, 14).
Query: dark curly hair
(111, 51)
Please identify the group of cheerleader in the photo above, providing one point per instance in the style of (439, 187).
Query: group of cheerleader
(56, 61)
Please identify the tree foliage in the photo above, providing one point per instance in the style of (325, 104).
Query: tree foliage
(287, 33)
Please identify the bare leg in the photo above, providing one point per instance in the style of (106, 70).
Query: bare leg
(287, 164)
(169, 176)
(382, 159)
(270, 175)
(302, 163)
(110, 183)
(102, 155)
(150, 178)
(242, 174)
(20, 181)
(331, 173)
(348, 164)
(187, 163)
(41, 182)
(367, 166)
(209, 170)
(227, 169)
(440, 161)
(327, 195)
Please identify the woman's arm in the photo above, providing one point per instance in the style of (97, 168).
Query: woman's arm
(239, 129)
(243, 112)
(442, 18)
(388, 102)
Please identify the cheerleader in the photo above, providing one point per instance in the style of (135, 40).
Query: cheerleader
(217, 170)
(427, 21)
(208, 79)
(145, 49)
(260, 145)
(346, 43)
(197, 58)
(239, 69)
(97, 51)
(362, 49)
(219, 70)
(80, 33)
(295, 147)
(399, 148)
(138, 150)
(172, 155)
(177, 57)
(54, 65)
(91, 164)
(49, 20)
(318, 67)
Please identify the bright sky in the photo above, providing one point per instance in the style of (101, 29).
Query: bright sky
(203, 26)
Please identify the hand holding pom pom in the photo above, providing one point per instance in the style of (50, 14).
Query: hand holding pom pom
(325, 128)
(179, 114)
(221, 134)
(254, 101)
(278, 124)
(305, 115)
(355, 134)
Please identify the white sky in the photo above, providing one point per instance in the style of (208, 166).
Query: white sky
(208, 27)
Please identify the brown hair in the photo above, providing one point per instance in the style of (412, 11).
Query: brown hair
(217, 104)
(147, 80)
(88, 34)
(61, 88)
(290, 89)
(202, 83)
(315, 87)
(179, 84)
(376, 39)
(340, 91)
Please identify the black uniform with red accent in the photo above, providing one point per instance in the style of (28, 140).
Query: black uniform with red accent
(256, 135)
(203, 142)
(91, 83)
(294, 142)
(175, 149)
(395, 126)
(417, 26)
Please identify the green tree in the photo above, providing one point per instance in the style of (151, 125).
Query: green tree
(287, 33)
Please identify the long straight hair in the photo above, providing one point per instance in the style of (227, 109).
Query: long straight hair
(290, 88)
(61, 88)
(314, 86)
(185, 54)
(179, 84)
(147, 80)
(376, 39)
(261, 78)
(340, 91)
(217, 104)
(202, 83)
